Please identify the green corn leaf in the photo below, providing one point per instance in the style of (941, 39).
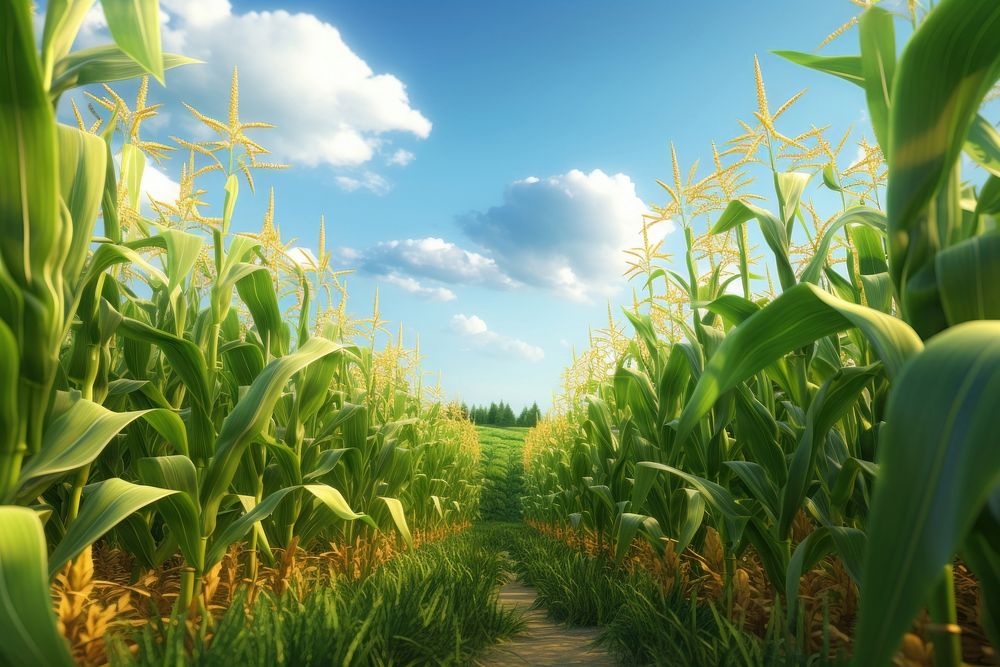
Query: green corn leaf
(946, 69)
(773, 229)
(257, 291)
(795, 319)
(847, 543)
(183, 250)
(336, 503)
(757, 432)
(109, 254)
(791, 185)
(315, 384)
(9, 408)
(982, 144)
(232, 193)
(105, 505)
(82, 167)
(853, 216)
(186, 359)
(135, 27)
(734, 309)
(628, 525)
(761, 488)
(843, 487)
(180, 510)
(248, 419)
(831, 179)
(102, 64)
(133, 165)
(263, 544)
(241, 526)
(836, 397)
(846, 67)
(329, 459)
(137, 539)
(30, 633)
(33, 232)
(244, 360)
(718, 497)
(398, 518)
(63, 19)
(938, 465)
(694, 516)
(878, 64)
(79, 435)
(850, 544)
(968, 276)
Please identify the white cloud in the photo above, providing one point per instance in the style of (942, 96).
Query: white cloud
(155, 184)
(469, 325)
(158, 185)
(414, 287)
(566, 233)
(369, 181)
(475, 330)
(434, 258)
(401, 158)
(296, 71)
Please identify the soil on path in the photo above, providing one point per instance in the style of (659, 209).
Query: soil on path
(543, 642)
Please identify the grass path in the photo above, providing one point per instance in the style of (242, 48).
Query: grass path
(543, 641)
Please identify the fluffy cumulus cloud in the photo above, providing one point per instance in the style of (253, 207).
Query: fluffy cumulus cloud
(433, 258)
(295, 71)
(565, 233)
(158, 185)
(474, 329)
(415, 287)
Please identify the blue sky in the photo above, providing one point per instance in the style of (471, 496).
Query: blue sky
(482, 162)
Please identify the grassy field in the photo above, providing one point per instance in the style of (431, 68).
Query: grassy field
(503, 472)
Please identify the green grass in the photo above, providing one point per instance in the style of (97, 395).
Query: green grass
(503, 472)
(435, 606)
(643, 624)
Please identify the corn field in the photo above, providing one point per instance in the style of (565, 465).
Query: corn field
(819, 447)
(792, 457)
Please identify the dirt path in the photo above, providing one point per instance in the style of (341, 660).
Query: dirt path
(543, 642)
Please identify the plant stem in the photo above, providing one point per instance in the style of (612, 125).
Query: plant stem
(944, 630)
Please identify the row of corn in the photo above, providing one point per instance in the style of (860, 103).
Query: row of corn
(184, 395)
(828, 401)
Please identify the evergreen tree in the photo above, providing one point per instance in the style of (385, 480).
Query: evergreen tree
(524, 417)
(507, 416)
(536, 415)
(492, 415)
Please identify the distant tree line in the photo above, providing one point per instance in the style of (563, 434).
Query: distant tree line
(501, 414)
